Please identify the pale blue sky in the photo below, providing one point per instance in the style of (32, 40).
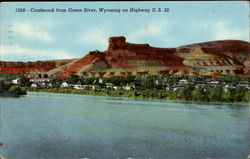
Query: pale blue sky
(44, 36)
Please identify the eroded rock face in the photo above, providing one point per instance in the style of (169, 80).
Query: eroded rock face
(26, 67)
(247, 67)
(211, 60)
(236, 49)
(122, 58)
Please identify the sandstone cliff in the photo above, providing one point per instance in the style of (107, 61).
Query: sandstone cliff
(123, 58)
(29, 67)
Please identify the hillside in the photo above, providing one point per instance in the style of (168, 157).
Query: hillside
(29, 67)
(236, 49)
(122, 58)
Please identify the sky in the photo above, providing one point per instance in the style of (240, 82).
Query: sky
(33, 36)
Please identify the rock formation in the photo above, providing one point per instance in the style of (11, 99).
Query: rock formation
(123, 58)
(30, 67)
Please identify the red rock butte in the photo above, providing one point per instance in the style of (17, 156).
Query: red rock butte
(123, 58)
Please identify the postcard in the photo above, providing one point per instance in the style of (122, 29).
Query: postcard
(125, 80)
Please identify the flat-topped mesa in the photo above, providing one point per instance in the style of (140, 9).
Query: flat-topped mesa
(119, 43)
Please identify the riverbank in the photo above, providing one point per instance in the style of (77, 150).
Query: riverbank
(141, 94)
(11, 90)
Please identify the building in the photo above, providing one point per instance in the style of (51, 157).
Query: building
(65, 85)
(34, 85)
(109, 86)
(16, 81)
(78, 86)
(39, 80)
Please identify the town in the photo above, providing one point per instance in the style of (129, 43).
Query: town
(227, 88)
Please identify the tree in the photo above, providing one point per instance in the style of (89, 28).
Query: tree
(56, 82)
(24, 81)
(240, 94)
(72, 79)
(215, 94)
(10, 89)
(228, 95)
(199, 94)
(186, 92)
(247, 97)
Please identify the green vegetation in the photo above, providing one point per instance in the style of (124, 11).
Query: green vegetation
(147, 87)
(24, 81)
(166, 87)
(11, 90)
(195, 94)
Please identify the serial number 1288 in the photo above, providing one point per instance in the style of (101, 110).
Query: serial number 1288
(20, 10)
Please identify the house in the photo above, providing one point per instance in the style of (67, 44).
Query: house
(168, 88)
(215, 82)
(16, 81)
(66, 84)
(134, 85)
(177, 87)
(86, 86)
(229, 85)
(100, 80)
(183, 82)
(39, 80)
(118, 87)
(129, 86)
(109, 86)
(200, 84)
(78, 86)
(243, 84)
(159, 82)
(34, 85)
(49, 85)
(43, 85)
(95, 87)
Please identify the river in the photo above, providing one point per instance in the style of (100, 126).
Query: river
(67, 126)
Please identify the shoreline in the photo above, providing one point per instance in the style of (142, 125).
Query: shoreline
(131, 96)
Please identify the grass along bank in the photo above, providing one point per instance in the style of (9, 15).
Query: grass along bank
(187, 94)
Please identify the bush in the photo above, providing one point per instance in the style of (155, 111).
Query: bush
(10, 89)
(215, 94)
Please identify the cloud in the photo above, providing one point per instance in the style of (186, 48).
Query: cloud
(151, 29)
(15, 52)
(32, 32)
(223, 31)
(96, 37)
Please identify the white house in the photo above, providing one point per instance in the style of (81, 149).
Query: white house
(50, 85)
(129, 86)
(118, 87)
(16, 81)
(39, 80)
(183, 81)
(78, 86)
(34, 85)
(64, 85)
(215, 82)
